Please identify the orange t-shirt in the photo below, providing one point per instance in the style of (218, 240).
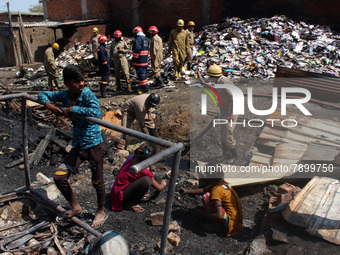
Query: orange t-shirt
(231, 204)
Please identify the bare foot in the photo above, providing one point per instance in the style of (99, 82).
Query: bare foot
(73, 212)
(99, 220)
(69, 214)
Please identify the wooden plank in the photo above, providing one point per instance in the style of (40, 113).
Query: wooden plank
(26, 47)
(39, 151)
(316, 207)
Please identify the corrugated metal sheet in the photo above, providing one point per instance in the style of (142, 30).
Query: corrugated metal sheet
(317, 208)
(322, 86)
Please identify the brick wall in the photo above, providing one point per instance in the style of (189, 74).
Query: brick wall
(60, 10)
(83, 34)
(165, 13)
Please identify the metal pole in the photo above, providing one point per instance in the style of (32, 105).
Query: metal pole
(127, 131)
(155, 158)
(25, 141)
(61, 209)
(169, 201)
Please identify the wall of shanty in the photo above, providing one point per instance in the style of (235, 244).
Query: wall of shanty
(126, 14)
(39, 39)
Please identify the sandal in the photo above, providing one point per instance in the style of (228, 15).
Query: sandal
(101, 221)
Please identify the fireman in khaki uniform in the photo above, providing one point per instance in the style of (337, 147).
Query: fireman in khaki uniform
(140, 108)
(94, 44)
(226, 112)
(50, 66)
(118, 51)
(178, 45)
(156, 54)
(191, 34)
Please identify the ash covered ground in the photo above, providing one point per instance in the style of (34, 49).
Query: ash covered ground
(173, 123)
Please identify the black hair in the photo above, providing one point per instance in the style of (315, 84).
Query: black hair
(73, 72)
(145, 151)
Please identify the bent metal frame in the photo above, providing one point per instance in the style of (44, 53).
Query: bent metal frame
(172, 149)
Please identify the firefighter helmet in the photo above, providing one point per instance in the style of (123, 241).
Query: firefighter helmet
(102, 39)
(117, 33)
(137, 30)
(191, 23)
(180, 23)
(215, 71)
(153, 30)
(94, 30)
(154, 99)
(55, 46)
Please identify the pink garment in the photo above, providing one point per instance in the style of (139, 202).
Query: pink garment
(123, 180)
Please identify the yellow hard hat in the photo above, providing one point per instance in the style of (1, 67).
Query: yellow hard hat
(214, 70)
(55, 46)
(191, 23)
(180, 23)
(95, 29)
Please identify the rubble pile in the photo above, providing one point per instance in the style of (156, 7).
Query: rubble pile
(255, 47)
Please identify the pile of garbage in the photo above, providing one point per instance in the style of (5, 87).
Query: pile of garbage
(255, 47)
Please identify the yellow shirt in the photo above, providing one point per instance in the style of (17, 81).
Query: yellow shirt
(231, 204)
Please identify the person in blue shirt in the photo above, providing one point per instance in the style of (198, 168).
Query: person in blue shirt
(87, 140)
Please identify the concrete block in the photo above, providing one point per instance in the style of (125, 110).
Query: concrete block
(157, 218)
(175, 227)
(174, 239)
(43, 179)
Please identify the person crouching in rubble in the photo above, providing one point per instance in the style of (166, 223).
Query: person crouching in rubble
(129, 189)
(227, 131)
(87, 140)
(104, 65)
(221, 205)
(140, 108)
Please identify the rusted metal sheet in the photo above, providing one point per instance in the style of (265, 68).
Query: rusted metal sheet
(316, 207)
(322, 86)
(113, 117)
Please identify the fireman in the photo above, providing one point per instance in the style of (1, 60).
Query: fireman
(104, 65)
(178, 46)
(50, 66)
(191, 34)
(118, 51)
(156, 54)
(226, 112)
(94, 44)
(140, 54)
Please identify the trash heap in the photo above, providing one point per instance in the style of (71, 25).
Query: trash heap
(255, 47)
